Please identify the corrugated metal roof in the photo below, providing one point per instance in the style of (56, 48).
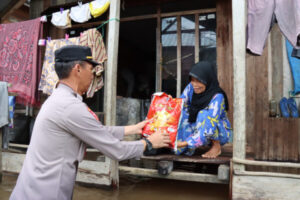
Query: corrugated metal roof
(169, 35)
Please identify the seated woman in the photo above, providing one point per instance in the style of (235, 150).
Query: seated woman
(204, 118)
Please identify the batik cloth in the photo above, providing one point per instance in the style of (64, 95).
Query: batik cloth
(19, 57)
(211, 124)
(93, 39)
(49, 77)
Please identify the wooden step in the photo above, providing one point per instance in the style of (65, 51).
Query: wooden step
(224, 158)
(191, 159)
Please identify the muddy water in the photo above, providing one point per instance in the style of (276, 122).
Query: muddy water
(133, 188)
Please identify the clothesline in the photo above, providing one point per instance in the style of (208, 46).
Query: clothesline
(118, 20)
(101, 25)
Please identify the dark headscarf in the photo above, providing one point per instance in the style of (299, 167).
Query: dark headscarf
(204, 72)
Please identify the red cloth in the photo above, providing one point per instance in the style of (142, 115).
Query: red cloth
(19, 58)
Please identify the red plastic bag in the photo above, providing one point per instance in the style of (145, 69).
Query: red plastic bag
(165, 113)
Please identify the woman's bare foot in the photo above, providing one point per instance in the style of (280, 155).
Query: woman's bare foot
(214, 151)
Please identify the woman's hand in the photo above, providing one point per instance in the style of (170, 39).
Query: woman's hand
(159, 139)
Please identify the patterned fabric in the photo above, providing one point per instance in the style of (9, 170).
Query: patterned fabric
(19, 54)
(49, 77)
(93, 39)
(211, 124)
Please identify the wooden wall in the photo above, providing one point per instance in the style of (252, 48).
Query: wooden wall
(271, 138)
(224, 51)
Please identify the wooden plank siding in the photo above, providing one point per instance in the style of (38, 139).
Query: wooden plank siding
(225, 50)
(284, 135)
(261, 101)
(274, 139)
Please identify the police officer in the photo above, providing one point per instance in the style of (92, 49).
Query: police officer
(62, 128)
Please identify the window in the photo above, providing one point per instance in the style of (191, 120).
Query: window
(185, 40)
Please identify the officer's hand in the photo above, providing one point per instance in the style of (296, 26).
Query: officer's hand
(159, 140)
(139, 126)
(135, 129)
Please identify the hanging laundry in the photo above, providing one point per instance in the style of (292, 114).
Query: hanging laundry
(98, 7)
(19, 57)
(80, 13)
(3, 104)
(295, 68)
(11, 110)
(93, 39)
(49, 77)
(260, 17)
(61, 19)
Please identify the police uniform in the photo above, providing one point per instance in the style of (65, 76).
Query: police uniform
(62, 128)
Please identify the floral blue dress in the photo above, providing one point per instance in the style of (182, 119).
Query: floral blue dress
(212, 124)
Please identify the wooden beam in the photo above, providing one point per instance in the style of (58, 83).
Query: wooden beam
(188, 12)
(183, 176)
(143, 17)
(178, 90)
(86, 25)
(277, 63)
(266, 163)
(111, 77)
(189, 159)
(13, 5)
(1, 132)
(224, 172)
(170, 14)
(224, 50)
(239, 76)
(158, 73)
(197, 38)
(91, 172)
(256, 187)
(112, 62)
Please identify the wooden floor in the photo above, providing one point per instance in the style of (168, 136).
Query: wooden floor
(190, 159)
(224, 158)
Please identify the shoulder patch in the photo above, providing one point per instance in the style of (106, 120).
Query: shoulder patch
(95, 116)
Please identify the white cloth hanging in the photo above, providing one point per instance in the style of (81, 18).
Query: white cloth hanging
(80, 13)
(61, 19)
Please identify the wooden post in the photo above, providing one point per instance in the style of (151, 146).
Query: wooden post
(1, 154)
(196, 38)
(239, 79)
(158, 80)
(277, 64)
(111, 77)
(178, 90)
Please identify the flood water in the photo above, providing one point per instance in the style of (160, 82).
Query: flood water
(134, 188)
